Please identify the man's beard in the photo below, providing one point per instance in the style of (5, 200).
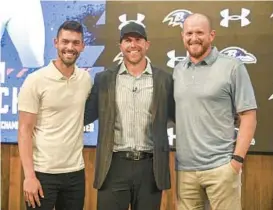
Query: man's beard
(198, 54)
(68, 62)
(134, 61)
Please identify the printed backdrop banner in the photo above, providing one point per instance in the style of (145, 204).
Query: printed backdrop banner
(243, 30)
(27, 44)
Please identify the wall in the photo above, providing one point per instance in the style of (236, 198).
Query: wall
(257, 189)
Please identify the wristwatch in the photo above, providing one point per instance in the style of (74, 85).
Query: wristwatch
(238, 158)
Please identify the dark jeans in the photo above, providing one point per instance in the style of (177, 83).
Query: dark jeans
(129, 182)
(65, 191)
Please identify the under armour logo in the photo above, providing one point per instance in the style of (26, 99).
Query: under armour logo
(171, 136)
(243, 17)
(173, 60)
(124, 21)
(119, 58)
(271, 97)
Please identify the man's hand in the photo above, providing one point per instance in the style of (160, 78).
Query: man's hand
(32, 191)
(236, 166)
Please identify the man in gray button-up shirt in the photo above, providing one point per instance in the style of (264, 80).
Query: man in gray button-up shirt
(133, 122)
(209, 90)
(133, 103)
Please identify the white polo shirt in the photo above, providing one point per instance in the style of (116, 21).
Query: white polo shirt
(59, 104)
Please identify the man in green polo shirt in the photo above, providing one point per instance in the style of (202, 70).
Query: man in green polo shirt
(209, 90)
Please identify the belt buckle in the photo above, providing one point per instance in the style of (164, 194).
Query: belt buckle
(136, 155)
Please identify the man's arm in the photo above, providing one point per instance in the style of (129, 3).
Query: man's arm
(28, 106)
(32, 186)
(246, 132)
(245, 103)
(91, 105)
(27, 122)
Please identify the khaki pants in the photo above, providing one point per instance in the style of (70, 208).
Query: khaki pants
(221, 186)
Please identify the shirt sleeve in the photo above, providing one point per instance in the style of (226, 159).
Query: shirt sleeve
(28, 99)
(242, 90)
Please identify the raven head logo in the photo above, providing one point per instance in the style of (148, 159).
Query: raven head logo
(239, 53)
(177, 17)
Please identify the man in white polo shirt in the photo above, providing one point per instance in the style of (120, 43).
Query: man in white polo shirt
(51, 107)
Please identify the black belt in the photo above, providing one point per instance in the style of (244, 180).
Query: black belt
(134, 155)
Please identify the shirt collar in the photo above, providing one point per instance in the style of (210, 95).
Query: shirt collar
(210, 59)
(56, 74)
(124, 70)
